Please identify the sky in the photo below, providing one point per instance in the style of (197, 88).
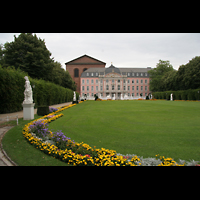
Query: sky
(122, 49)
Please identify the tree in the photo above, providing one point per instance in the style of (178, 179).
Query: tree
(29, 53)
(188, 75)
(61, 77)
(157, 74)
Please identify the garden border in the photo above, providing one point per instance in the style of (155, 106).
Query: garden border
(104, 157)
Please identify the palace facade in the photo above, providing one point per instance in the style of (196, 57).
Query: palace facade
(117, 83)
(91, 77)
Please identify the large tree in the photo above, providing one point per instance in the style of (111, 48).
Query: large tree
(188, 75)
(30, 54)
(61, 77)
(157, 75)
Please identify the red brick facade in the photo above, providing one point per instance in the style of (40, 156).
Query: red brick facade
(77, 66)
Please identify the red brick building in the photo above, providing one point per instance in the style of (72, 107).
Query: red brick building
(77, 66)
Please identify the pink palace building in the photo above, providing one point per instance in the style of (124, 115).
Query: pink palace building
(115, 83)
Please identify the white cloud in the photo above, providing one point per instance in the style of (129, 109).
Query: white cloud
(123, 49)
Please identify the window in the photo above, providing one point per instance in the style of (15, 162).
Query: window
(137, 74)
(141, 74)
(113, 87)
(145, 88)
(132, 94)
(132, 80)
(92, 94)
(107, 87)
(137, 87)
(133, 74)
(92, 74)
(112, 80)
(128, 81)
(97, 74)
(128, 74)
(92, 88)
(87, 81)
(96, 88)
(124, 87)
(133, 88)
(87, 88)
(87, 74)
(137, 81)
(118, 87)
(145, 74)
(101, 81)
(141, 88)
(83, 88)
(96, 81)
(83, 81)
(141, 81)
(92, 81)
(128, 87)
(107, 81)
(118, 81)
(76, 72)
(124, 81)
(101, 87)
(145, 80)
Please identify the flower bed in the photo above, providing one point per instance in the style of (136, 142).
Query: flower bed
(59, 146)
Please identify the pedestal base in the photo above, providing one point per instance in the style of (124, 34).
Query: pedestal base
(28, 111)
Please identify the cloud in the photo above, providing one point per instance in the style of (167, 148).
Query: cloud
(123, 49)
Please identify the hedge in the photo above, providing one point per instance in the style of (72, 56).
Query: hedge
(178, 95)
(44, 93)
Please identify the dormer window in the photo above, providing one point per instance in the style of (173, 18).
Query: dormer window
(87, 74)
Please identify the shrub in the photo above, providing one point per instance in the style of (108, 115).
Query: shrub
(191, 94)
(44, 92)
(43, 110)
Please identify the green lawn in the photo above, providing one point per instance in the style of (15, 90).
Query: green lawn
(24, 154)
(145, 128)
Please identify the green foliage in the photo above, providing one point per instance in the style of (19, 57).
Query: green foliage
(30, 54)
(12, 91)
(179, 95)
(164, 77)
(157, 74)
(42, 110)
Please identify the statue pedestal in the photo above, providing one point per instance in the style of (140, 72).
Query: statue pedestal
(28, 111)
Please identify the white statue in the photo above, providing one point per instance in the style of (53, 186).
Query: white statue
(108, 97)
(113, 97)
(125, 97)
(28, 94)
(74, 98)
(171, 97)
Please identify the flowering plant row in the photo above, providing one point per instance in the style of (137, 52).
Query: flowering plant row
(79, 154)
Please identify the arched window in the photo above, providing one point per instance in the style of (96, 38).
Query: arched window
(76, 72)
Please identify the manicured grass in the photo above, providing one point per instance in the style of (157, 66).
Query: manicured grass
(24, 154)
(145, 128)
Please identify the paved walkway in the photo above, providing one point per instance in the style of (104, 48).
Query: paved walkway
(4, 161)
(13, 116)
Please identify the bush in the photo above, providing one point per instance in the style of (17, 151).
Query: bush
(179, 95)
(44, 92)
(43, 110)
